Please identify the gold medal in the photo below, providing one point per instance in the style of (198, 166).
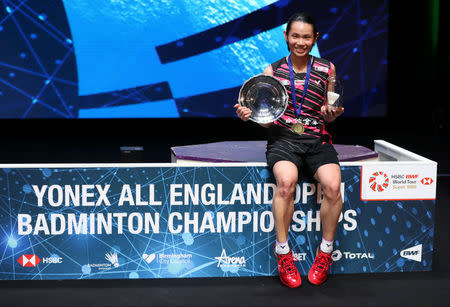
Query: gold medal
(298, 128)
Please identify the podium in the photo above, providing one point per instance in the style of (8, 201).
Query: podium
(253, 151)
(210, 217)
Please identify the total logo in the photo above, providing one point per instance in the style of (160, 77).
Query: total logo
(378, 181)
(337, 255)
(226, 261)
(32, 260)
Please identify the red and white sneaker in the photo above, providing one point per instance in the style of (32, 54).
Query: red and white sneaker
(319, 270)
(287, 270)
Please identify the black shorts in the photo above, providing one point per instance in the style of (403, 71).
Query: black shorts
(308, 157)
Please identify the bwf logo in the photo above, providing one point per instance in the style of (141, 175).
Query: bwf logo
(413, 253)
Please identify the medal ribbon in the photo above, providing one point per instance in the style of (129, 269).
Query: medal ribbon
(305, 85)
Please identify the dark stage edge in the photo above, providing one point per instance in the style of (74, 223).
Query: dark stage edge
(384, 289)
(407, 289)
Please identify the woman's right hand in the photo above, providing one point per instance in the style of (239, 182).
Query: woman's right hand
(244, 113)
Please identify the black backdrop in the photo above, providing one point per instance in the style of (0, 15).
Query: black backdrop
(417, 119)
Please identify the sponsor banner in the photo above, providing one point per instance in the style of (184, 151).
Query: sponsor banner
(398, 181)
(165, 222)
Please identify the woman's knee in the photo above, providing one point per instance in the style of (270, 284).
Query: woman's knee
(286, 187)
(286, 175)
(332, 190)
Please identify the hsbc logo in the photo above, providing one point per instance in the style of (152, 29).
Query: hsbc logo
(426, 181)
(29, 260)
(52, 260)
(33, 260)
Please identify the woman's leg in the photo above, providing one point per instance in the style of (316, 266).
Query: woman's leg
(329, 176)
(286, 175)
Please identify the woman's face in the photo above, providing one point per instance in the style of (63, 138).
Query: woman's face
(301, 38)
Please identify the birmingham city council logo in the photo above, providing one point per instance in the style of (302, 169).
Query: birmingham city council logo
(149, 258)
(379, 181)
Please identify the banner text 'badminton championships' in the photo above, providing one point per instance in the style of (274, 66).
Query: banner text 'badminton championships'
(213, 208)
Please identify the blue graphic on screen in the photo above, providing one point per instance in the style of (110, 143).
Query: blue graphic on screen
(107, 59)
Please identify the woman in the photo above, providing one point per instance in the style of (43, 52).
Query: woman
(298, 140)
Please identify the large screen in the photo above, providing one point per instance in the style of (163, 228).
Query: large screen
(174, 58)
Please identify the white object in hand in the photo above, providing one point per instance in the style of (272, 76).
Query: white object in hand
(332, 97)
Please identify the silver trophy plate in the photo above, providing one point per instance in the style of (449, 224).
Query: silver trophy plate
(265, 96)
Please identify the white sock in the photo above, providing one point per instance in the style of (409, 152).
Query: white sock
(326, 246)
(282, 248)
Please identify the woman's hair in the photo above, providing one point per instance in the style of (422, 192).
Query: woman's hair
(302, 17)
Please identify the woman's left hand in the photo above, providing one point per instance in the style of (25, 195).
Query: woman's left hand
(330, 113)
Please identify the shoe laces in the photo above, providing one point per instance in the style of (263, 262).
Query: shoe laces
(322, 262)
(287, 262)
